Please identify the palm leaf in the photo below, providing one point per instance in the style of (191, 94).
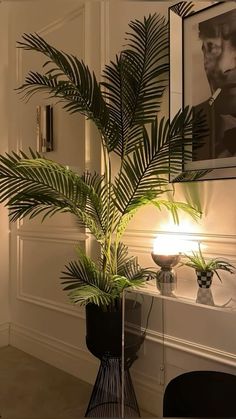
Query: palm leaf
(101, 201)
(183, 8)
(136, 81)
(143, 174)
(85, 283)
(71, 81)
(182, 142)
(35, 185)
(127, 266)
(175, 206)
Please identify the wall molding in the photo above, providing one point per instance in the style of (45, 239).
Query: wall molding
(217, 244)
(193, 348)
(69, 309)
(4, 334)
(59, 23)
(105, 39)
(150, 234)
(72, 310)
(58, 235)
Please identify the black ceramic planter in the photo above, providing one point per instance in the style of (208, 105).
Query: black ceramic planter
(104, 329)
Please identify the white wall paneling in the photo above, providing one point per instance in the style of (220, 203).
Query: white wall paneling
(4, 333)
(42, 322)
(40, 310)
(4, 225)
(50, 251)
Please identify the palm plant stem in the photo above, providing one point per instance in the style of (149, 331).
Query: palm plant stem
(107, 180)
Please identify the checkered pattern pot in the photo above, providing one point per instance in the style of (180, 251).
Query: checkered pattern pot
(204, 278)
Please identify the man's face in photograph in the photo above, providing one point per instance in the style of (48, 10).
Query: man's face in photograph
(218, 37)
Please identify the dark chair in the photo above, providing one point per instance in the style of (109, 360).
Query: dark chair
(201, 394)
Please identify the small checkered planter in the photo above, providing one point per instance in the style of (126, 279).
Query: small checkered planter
(204, 278)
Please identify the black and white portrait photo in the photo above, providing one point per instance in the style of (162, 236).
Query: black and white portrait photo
(210, 81)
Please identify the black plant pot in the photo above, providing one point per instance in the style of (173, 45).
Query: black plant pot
(104, 330)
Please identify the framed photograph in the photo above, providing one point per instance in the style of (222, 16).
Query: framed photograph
(203, 77)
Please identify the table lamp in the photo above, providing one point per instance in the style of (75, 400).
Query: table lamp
(166, 255)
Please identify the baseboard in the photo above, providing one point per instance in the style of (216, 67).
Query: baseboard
(55, 352)
(149, 393)
(4, 334)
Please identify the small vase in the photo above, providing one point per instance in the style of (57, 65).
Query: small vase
(204, 278)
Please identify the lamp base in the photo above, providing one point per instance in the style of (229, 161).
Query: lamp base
(166, 281)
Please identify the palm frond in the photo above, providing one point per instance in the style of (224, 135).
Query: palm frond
(136, 81)
(34, 185)
(100, 200)
(71, 81)
(144, 173)
(186, 132)
(85, 283)
(174, 206)
(128, 266)
(135, 273)
(183, 8)
(121, 254)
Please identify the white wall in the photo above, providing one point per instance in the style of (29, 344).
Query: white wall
(44, 324)
(4, 225)
(195, 337)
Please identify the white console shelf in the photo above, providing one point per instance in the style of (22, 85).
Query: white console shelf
(218, 296)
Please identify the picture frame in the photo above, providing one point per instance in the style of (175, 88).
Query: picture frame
(201, 78)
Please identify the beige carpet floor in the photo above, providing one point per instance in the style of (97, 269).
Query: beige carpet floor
(32, 389)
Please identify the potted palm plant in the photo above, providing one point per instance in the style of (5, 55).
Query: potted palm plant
(124, 108)
(205, 269)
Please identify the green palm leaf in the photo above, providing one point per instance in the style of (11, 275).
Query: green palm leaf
(175, 206)
(35, 185)
(101, 200)
(136, 81)
(88, 284)
(182, 142)
(85, 283)
(142, 176)
(70, 80)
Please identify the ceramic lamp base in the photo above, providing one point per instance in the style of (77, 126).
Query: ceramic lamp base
(166, 278)
(166, 281)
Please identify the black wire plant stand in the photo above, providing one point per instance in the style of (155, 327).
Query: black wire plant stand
(113, 393)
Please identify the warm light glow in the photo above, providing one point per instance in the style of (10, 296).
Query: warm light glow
(178, 238)
(184, 227)
(173, 244)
